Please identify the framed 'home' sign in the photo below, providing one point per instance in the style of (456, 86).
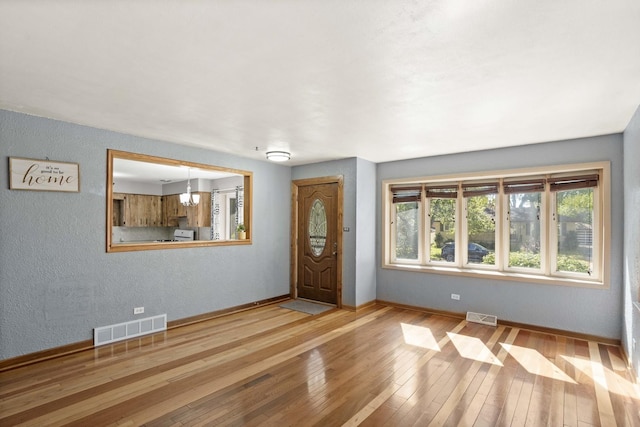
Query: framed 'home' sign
(43, 175)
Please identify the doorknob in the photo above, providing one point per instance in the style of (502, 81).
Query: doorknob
(335, 248)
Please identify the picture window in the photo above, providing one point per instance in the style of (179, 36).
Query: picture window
(539, 224)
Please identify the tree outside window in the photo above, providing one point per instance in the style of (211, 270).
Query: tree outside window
(524, 230)
(481, 228)
(407, 226)
(442, 214)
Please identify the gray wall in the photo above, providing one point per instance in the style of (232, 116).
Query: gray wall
(631, 263)
(56, 280)
(366, 220)
(591, 311)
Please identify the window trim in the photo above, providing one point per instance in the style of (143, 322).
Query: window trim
(601, 234)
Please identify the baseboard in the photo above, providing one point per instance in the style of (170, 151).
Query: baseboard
(455, 315)
(213, 314)
(570, 334)
(359, 307)
(52, 353)
(535, 328)
(39, 356)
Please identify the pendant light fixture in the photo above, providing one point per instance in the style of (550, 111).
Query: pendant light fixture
(188, 199)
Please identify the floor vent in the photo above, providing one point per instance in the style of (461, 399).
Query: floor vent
(485, 319)
(134, 328)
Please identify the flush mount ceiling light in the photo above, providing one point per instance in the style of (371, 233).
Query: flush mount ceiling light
(278, 156)
(188, 199)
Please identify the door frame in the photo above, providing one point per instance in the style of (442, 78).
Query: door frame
(295, 184)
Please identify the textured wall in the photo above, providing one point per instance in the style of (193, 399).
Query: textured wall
(366, 218)
(631, 307)
(592, 311)
(56, 280)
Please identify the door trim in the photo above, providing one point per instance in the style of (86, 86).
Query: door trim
(293, 276)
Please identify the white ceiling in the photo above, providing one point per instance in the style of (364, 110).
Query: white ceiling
(326, 79)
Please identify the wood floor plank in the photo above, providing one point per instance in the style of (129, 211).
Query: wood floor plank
(202, 388)
(321, 378)
(517, 384)
(350, 374)
(381, 366)
(605, 408)
(474, 408)
(540, 402)
(557, 395)
(585, 390)
(570, 410)
(427, 381)
(454, 398)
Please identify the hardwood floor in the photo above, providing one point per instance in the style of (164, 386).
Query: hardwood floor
(382, 366)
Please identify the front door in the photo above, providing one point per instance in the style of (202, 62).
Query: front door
(318, 240)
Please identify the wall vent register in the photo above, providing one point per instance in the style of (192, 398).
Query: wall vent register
(135, 328)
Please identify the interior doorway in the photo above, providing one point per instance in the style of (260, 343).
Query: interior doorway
(316, 239)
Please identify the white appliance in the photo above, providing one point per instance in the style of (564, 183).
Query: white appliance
(183, 235)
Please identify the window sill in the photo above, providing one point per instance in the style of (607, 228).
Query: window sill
(500, 275)
(131, 246)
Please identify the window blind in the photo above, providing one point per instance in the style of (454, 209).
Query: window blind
(573, 182)
(524, 186)
(449, 191)
(406, 193)
(470, 190)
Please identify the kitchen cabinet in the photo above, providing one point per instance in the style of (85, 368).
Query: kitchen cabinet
(197, 216)
(141, 210)
(200, 215)
(172, 209)
(137, 210)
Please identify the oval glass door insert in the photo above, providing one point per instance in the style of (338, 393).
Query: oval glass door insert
(317, 227)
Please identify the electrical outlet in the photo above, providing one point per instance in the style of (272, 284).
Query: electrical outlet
(138, 310)
(455, 297)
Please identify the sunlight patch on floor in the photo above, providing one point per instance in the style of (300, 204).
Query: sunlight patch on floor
(473, 348)
(419, 336)
(599, 374)
(535, 363)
